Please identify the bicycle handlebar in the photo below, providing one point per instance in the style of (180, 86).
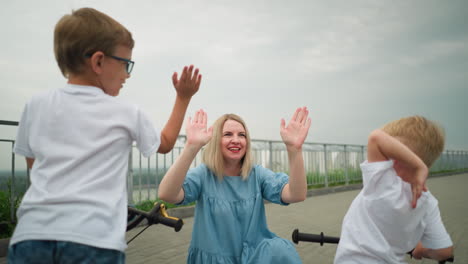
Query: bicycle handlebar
(157, 215)
(297, 236)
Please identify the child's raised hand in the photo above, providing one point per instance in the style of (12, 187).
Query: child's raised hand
(189, 82)
(418, 184)
(197, 133)
(295, 133)
(414, 174)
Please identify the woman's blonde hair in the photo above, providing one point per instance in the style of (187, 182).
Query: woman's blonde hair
(212, 155)
(424, 137)
(84, 32)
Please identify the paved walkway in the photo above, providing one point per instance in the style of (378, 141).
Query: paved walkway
(159, 244)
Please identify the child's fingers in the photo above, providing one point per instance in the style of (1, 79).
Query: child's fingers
(174, 79)
(189, 72)
(197, 84)
(195, 75)
(183, 76)
(416, 195)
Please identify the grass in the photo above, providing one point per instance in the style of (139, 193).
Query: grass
(6, 224)
(447, 171)
(336, 177)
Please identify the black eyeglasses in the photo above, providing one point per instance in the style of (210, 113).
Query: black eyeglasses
(128, 66)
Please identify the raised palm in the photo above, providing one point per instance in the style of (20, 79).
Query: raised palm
(196, 129)
(189, 82)
(295, 132)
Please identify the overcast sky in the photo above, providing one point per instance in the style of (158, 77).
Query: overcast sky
(355, 64)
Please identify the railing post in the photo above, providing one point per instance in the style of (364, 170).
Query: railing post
(139, 177)
(12, 185)
(446, 160)
(346, 164)
(130, 178)
(362, 154)
(451, 160)
(465, 162)
(28, 174)
(148, 179)
(326, 163)
(270, 151)
(459, 160)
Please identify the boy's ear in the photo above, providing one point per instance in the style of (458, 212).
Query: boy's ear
(96, 61)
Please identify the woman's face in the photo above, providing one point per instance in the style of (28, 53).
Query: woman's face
(233, 141)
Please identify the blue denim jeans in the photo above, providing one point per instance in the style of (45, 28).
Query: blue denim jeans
(47, 251)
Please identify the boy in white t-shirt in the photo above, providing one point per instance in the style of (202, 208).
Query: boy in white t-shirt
(77, 140)
(384, 222)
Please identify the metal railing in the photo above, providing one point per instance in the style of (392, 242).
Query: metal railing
(326, 165)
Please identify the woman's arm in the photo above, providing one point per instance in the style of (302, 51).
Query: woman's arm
(170, 188)
(294, 135)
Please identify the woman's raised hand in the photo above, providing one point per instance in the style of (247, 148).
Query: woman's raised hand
(295, 133)
(196, 129)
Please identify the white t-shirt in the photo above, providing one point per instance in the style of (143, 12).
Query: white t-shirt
(381, 226)
(80, 139)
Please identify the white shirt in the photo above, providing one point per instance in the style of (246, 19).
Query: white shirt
(80, 139)
(381, 226)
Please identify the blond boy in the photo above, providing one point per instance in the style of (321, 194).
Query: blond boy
(384, 222)
(77, 140)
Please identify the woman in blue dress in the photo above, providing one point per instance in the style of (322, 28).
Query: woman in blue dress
(230, 224)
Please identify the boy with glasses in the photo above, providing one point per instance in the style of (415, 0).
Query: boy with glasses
(77, 140)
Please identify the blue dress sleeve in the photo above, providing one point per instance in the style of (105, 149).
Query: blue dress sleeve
(193, 184)
(271, 184)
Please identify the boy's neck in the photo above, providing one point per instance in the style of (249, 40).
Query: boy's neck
(82, 80)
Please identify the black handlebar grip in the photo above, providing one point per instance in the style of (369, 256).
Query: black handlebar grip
(296, 237)
(176, 223)
(451, 259)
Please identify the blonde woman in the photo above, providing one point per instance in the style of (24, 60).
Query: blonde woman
(230, 223)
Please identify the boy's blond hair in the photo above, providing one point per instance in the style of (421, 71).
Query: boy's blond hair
(424, 137)
(82, 33)
(212, 155)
